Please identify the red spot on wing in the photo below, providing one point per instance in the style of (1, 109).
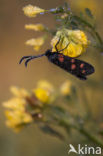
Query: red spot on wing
(82, 65)
(61, 58)
(72, 60)
(73, 66)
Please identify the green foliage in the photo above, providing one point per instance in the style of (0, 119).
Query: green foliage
(88, 12)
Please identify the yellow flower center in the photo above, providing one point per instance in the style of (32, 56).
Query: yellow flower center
(42, 95)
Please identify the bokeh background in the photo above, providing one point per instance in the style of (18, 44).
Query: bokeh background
(30, 141)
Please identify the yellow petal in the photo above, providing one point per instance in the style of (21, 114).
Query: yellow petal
(45, 85)
(75, 39)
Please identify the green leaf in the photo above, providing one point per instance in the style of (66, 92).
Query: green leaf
(88, 12)
(83, 22)
(74, 25)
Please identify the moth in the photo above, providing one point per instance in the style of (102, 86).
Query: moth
(76, 67)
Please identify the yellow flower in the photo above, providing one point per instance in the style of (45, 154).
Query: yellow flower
(32, 11)
(75, 39)
(17, 119)
(16, 113)
(45, 85)
(66, 88)
(36, 27)
(36, 43)
(78, 36)
(73, 50)
(19, 92)
(44, 92)
(18, 102)
(15, 104)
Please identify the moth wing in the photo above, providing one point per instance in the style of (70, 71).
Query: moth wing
(76, 67)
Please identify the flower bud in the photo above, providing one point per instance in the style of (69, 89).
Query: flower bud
(66, 88)
(36, 43)
(32, 11)
(35, 27)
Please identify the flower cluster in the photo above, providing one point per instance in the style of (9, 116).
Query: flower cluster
(16, 109)
(73, 42)
(25, 107)
(32, 11)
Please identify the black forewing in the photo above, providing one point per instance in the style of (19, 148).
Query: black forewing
(74, 66)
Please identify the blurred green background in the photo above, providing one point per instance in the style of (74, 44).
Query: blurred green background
(30, 141)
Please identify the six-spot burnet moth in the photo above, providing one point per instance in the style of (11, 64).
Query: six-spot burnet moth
(78, 68)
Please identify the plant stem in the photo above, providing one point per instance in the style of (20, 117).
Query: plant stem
(83, 131)
(91, 137)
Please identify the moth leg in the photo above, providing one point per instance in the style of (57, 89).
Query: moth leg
(57, 44)
(64, 48)
(61, 49)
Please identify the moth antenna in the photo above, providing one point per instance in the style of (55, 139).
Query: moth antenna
(28, 58)
(24, 57)
(26, 62)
